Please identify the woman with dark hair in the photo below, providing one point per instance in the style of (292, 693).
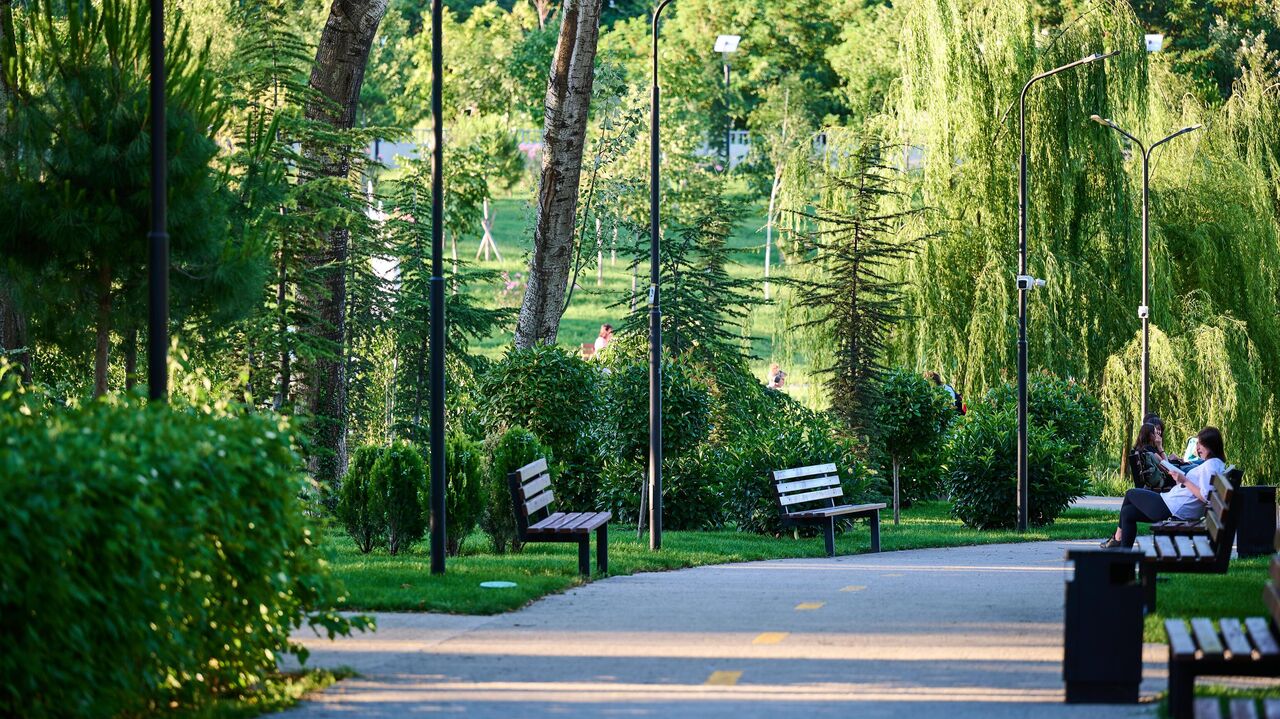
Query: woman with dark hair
(1185, 501)
(1147, 458)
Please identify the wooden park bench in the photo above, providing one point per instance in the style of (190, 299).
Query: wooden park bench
(1248, 647)
(531, 494)
(1200, 554)
(812, 496)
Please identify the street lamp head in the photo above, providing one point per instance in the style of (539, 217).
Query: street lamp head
(1100, 121)
(727, 43)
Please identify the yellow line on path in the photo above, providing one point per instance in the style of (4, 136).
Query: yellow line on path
(808, 606)
(723, 679)
(853, 588)
(770, 638)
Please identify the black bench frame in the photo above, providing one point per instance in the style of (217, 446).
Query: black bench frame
(1249, 648)
(807, 497)
(531, 493)
(1194, 553)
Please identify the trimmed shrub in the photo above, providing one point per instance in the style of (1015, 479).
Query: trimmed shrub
(983, 480)
(692, 489)
(355, 508)
(464, 467)
(400, 495)
(151, 555)
(686, 410)
(1063, 406)
(507, 452)
(553, 393)
(910, 421)
(797, 437)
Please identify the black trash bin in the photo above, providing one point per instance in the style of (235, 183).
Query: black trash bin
(1256, 527)
(1102, 648)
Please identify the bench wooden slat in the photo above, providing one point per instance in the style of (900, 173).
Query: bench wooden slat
(1233, 635)
(1242, 709)
(1164, 546)
(560, 520)
(811, 496)
(1206, 637)
(781, 474)
(1208, 708)
(574, 523)
(1260, 634)
(1271, 708)
(1180, 643)
(536, 486)
(540, 501)
(1214, 525)
(832, 481)
(838, 511)
(1203, 548)
(1185, 547)
(1216, 506)
(1222, 488)
(1147, 546)
(1274, 568)
(532, 469)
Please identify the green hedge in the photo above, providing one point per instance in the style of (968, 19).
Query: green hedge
(151, 555)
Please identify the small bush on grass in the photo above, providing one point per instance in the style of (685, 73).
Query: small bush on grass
(693, 493)
(151, 555)
(686, 409)
(464, 466)
(982, 477)
(911, 417)
(400, 495)
(356, 508)
(507, 452)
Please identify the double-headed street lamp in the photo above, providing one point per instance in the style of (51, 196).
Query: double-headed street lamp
(655, 312)
(437, 294)
(1144, 309)
(1026, 282)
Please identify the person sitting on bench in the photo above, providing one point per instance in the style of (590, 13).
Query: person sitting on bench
(1149, 455)
(1186, 501)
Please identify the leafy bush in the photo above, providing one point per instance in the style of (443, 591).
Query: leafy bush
(464, 467)
(356, 508)
(553, 393)
(692, 489)
(686, 409)
(796, 437)
(1063, 406)
(910, 421)
(151, 555)
(507, 452)
(400, 493)
(982, 477)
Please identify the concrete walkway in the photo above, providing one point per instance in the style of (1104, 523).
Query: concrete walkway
(956, 633)
(1111, 503)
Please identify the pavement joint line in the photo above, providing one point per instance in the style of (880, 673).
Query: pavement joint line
(809, 606)
(770, 638)
(853, 588)
(723, 678)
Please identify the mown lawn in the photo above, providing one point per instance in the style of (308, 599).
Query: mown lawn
(377, 581)
(1238, 593)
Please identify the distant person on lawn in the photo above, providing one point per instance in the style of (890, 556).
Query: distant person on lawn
(777, 378)
(605, 337)
(1185, 501)
(956, 399)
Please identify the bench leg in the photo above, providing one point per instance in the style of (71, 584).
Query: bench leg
(1182, 689)
(584, 556)
(1148, 576)
(602, 549)
(829, 533)
(875, 531)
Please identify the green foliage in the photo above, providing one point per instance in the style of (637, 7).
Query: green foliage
(909, 425)
(796, 437)
(465, 497)
(507, 452)
(554, 394)
(686, 407)
(1064, 425)
(693, 489)
(400, 495)
(182, 557)
(356, 505)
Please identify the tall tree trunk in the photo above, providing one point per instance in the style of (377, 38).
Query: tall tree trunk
(102, 350)
(286, 345)
(564, 137)
(341, 58)
(13, 334)
(131, 358)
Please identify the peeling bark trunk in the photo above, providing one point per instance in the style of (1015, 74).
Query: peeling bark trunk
(13, 335)
(564, 137)
(341, 58)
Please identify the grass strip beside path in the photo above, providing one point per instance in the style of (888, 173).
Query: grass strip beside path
(379, 582)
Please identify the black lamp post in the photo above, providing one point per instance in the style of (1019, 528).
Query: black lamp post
(655, 312)
(1026, 282)
(437, 298)
(158, 237)
(1144, 309)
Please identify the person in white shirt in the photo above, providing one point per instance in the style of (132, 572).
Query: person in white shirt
(605, 337)
(1187, 500)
